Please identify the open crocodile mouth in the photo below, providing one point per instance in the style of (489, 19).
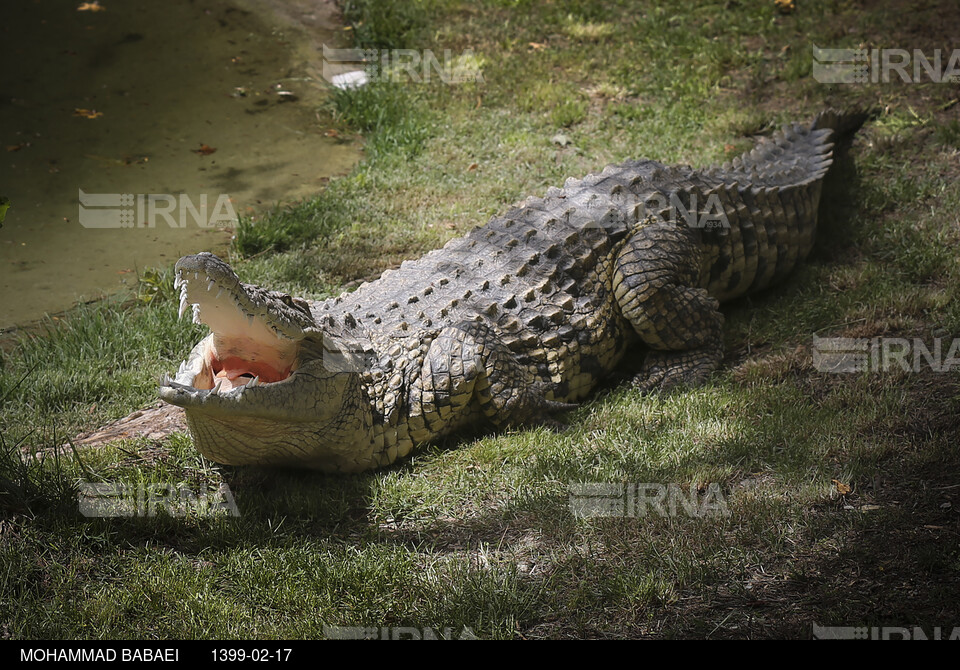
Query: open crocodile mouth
(254, 342)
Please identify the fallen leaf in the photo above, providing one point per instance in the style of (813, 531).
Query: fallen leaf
(17, 147)
(331, 133)
(204, 150)
(473, 166)
(86, 113)
(785, 6)
(537, 46)
(91, 7)
(842, 489)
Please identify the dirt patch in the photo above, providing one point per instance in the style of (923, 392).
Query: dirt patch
(154, 423)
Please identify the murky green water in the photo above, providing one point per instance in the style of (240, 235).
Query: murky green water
(130, 100)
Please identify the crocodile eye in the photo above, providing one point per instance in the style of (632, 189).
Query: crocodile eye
(295, 303)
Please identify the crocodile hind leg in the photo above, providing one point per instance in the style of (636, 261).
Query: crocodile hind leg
(656, 278)
(468, 368)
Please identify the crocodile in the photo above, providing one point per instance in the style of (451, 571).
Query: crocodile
(515, 322)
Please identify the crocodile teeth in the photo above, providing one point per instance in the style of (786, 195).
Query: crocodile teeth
(254, 382)
(216, 389)
(210, 283)
(196, 313)
(183, 305)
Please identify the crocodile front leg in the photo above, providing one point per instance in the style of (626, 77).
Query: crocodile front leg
(655, 282)
(469, 371)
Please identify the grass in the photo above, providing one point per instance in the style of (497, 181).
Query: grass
(839, 491)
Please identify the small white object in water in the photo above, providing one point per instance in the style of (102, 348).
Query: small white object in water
(354, 79)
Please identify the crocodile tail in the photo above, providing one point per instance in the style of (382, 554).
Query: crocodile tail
(844, 124)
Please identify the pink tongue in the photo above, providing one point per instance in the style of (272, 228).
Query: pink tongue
(238, 372)
(226, 383)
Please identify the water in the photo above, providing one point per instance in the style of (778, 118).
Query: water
(160, 80)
